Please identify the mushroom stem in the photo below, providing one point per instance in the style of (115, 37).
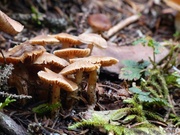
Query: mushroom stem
(79, 75)
(55, 95)
(91, 87)
(55, 98)
(90, 46)
(72, 96)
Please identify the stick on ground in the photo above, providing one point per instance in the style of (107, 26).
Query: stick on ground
(122, 24)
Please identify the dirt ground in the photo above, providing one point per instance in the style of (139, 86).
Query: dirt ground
(70, 16)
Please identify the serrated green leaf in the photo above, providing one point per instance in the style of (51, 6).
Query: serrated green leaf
(138, 91)
(145, 98)
(132, 69)
(130, 73)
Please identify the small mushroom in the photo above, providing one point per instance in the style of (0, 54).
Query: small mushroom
(43, 40)
(67, 40)
(51, 61)
(21, 53)
(99, 22)
(78, 67)
(175, 4)
(70, 53)
(102, 61)
(20, 56)
(9, 25)
(92, 40)
(58, 81)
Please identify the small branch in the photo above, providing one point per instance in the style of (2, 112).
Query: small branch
(5, 94)
(122, 24)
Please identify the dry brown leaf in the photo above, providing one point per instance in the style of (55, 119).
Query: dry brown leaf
(9, 25)
(136, 53)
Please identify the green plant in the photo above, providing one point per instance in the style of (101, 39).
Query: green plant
(133, 70)
(107, 122)
(36, 15)
(7, 101)
(45, 108)
(175, 119)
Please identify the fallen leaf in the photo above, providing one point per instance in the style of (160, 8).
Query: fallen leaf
(136, 53)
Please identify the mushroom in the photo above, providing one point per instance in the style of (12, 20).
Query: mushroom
(58, 81)
(43, 40)
(20, 56)
(67, 40)
(175, 4)
(51, 61)
(9, 25)
(102, 61)
(21, 53)
(92, 40)
(78, 67)
(70, 53)
(99, 22)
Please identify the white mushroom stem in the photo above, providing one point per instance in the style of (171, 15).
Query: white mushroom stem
(91, 87)
(55, 95)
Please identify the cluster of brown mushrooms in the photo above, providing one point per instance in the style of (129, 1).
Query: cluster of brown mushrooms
(62, 70)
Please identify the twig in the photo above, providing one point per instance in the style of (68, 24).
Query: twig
(122, 24)
(5, 94)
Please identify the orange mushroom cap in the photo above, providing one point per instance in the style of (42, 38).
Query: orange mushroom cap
(57, 79)
(102, 60)
(50, 59)
(94, 39)
(67, 38)
(79, 65)
(175, 4)
(22, 52)
(43, 40)
(72, 52)
(99, 22)
(9, 25)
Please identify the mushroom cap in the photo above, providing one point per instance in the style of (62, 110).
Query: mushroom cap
(102, 60)
(57, 79)
(50, 59)
(99, 22)
(94, 39)
(67, 38)
(175, 4)
(22, 52)
(43, 40)
(72, 52)
(9, 25)
(79, 66)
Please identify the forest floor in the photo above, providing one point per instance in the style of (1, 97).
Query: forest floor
(70, 16)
